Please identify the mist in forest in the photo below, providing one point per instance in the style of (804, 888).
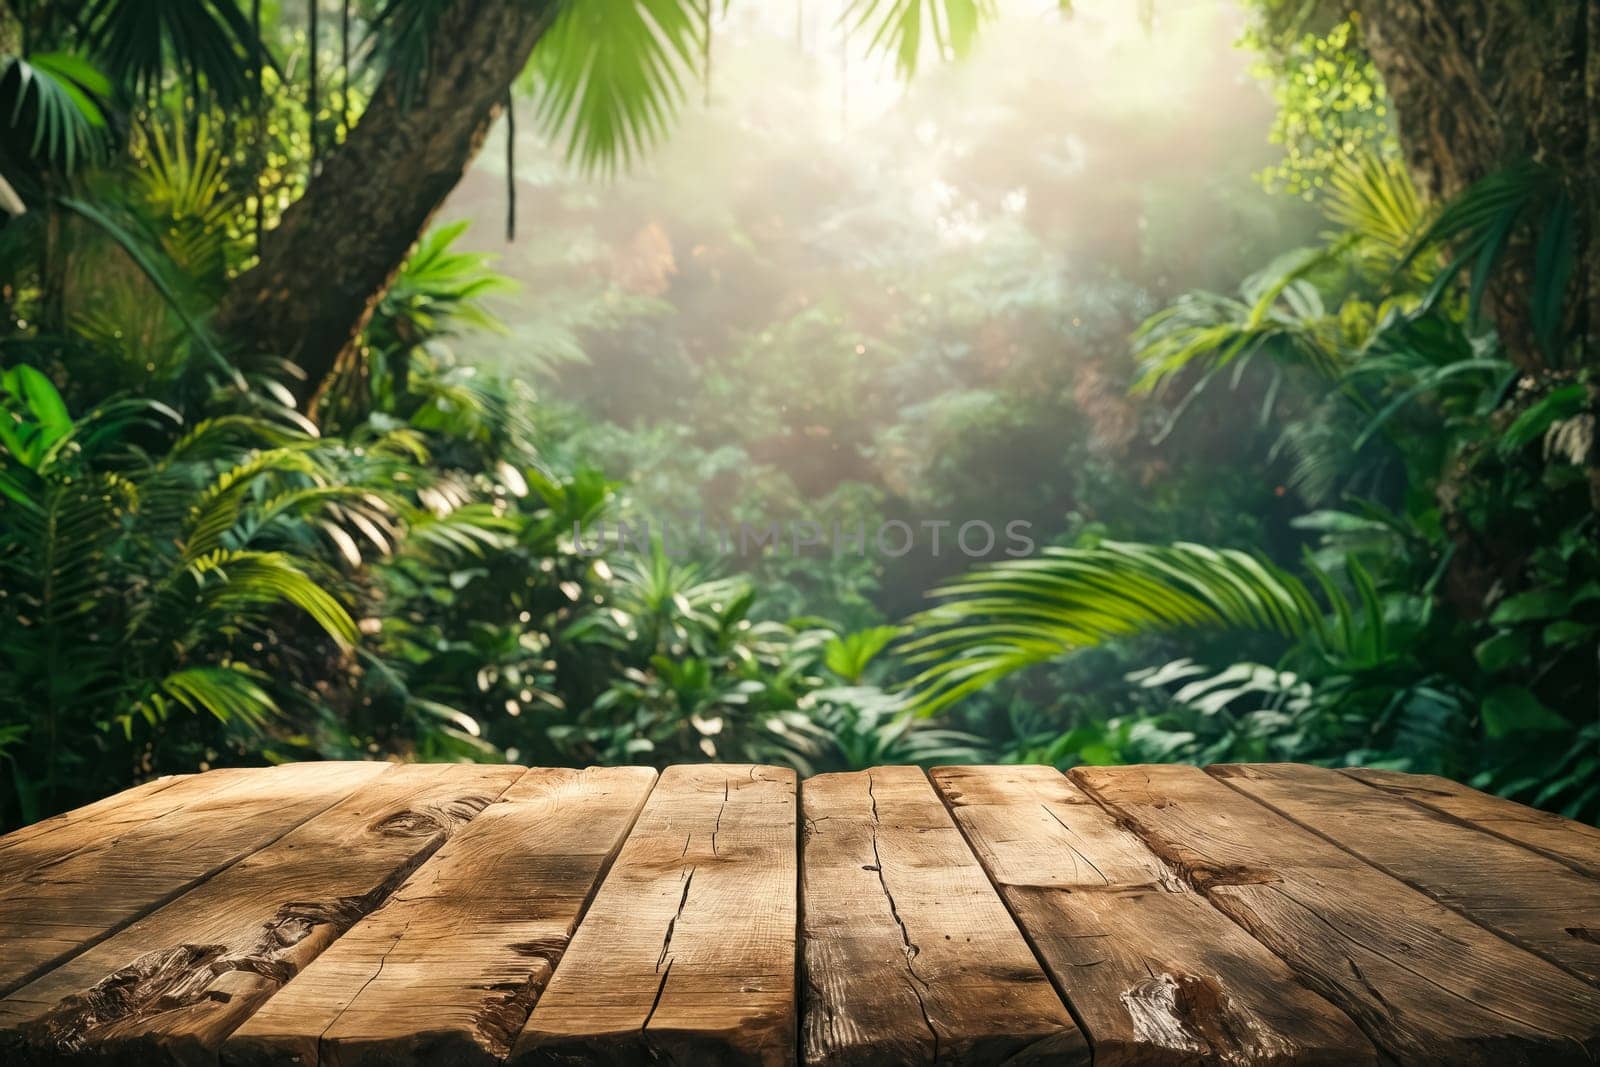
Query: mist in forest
(834, 292)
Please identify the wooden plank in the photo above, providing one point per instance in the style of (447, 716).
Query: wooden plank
(100, 825)
(171, 986)
(688, 951)
(910, 957)
(447, 970)
(1574, 843)
(103, 810)
(1529, 899)
(1425, 983)
(1156, 975)
(78, 884)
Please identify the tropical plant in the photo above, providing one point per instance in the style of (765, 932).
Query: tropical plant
(1368, 669)
(1010, 615)
(138, 585)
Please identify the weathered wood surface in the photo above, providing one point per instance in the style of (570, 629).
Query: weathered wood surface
(93, 873)
(171, 986)
(1526, 897)
(688, 951)
(909, 955)
(1427, 984)
(448, 968)
(1573, 843)
(333, 915)
(1155, 973)
(107, 809)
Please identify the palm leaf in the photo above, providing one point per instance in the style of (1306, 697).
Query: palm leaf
(400, 35)
(1481, 227)
(1377, 200)
(58, 95)
(140, 41)
(1280, 314)
(1007, 616)
(609, 75)
(231, 581)
(231, 693)
(144, 257)
(906, 28)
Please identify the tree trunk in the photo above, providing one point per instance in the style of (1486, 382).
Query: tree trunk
(1481, 84)
(324, 267)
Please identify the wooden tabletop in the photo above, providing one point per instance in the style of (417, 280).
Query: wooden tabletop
(367, 913)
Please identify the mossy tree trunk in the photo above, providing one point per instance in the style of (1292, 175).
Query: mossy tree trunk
(1480, 84)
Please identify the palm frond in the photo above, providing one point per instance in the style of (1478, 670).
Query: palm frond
(1007, 616)
(401, 32)
(231, 581)
(231, 693)
(216, 510)
(148, 260)
(905, 29)
(1376, 199)
(1527, 202)
(183, 183)
(54, 100)
(610, 74)
(141, 41)
(1280, 314)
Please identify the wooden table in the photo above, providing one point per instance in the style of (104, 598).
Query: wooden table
(366, 913)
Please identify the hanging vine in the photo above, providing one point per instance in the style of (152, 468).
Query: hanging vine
(257, 67)
(511, 166)
(311, 95)
(344, 64)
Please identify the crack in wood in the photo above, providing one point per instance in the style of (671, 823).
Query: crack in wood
(672, 923)
(908, 945)
(718, 824)
(1076, 855)
(373, 977)
(167, 980)
(644, 1027)
(1262, 935)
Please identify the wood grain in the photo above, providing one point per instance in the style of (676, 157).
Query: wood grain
(1156, 975)
(171, 986)
(688, 951)
(448, 968)
(909, 956)
(1573, 843)
(1530, 899)
(105, 811)
(70, 887)
(1425, 983)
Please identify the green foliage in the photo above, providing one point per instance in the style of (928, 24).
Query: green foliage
(52, 102)
(1527, 202)
(850, 655)
(1376, 338)
(925, 323)
(1002, 618)
(611, 73)
(139, 42)
(1331, 103)
(137, 585)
